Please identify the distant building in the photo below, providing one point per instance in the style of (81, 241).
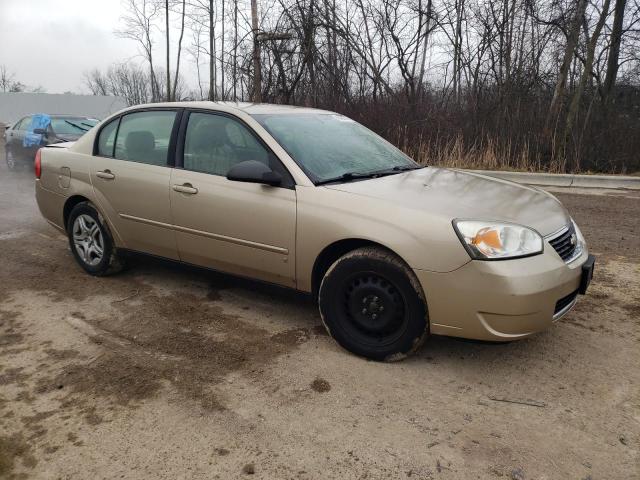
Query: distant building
(14, 106)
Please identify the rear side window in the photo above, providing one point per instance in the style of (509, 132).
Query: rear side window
(107, 139)
(144, 137)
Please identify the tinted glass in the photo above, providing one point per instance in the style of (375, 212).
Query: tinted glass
(215, 143)
(144, 137)
(71, 125)
(329, 145)
(107, 139)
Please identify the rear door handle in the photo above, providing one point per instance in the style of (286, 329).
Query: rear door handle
(186, 188)
(106, 174)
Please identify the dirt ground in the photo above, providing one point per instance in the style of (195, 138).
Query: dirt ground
(171, 372)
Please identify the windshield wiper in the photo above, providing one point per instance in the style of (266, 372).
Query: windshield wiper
(347, 177)
(77, 126)
(406, 168)
(350, 176)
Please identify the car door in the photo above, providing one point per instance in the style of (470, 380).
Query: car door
(11, 135)
(242, 228)
(16, 137)
(130, 173)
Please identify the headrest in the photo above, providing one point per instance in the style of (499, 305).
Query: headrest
(141, 141)
(209, 133)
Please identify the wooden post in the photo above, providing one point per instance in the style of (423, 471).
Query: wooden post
(256, 97)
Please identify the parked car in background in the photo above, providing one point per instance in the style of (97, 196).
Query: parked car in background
(27, 135)
(312, 200)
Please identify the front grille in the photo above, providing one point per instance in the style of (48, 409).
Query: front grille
(565, 243)
(565, 301)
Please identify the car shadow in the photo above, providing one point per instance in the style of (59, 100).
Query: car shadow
(300, 311)
(142, 264)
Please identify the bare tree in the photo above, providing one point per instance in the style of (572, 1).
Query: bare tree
(508, 80)
(168, 43)
(177, 72)
(569, 51)
(8, 83)
(138, 22)
(614, 51)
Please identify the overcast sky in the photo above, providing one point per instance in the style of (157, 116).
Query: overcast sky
(51, 43)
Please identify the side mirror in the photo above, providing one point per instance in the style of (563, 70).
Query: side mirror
(252, 171)
(40, 131)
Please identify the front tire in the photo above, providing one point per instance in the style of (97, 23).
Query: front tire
(372, 304)
(91, 242)
(10, 158)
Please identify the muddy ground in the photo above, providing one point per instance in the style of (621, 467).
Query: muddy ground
(171, 372)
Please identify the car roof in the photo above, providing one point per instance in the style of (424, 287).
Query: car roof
(247, 107)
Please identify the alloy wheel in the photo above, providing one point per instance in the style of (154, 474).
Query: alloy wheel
(88, 240)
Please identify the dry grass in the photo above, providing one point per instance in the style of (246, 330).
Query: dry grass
(486, 154)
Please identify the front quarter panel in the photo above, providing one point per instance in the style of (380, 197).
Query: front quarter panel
(423, 240)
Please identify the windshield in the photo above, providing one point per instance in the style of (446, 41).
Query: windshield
(330, 146)
(72, 125)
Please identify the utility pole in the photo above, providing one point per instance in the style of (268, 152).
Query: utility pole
(256, 97)
(258, 36)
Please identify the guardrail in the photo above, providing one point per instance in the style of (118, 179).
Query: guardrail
(566, 179)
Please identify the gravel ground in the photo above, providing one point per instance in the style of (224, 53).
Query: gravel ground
(172, 372)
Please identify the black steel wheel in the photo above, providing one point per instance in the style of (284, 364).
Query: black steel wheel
(372, 304)
(374, 309)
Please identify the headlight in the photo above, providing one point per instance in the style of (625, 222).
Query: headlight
(580, 241)
(495, 240)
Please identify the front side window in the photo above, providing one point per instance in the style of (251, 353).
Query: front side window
(107, 138)
(215, 143)
(144, 137)
(328, 146)
(24, 124)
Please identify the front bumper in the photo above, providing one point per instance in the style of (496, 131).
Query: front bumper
(502, 300)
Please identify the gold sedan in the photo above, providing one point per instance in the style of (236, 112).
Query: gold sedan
(311, 200)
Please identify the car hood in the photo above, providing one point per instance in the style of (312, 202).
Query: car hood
(465, 195)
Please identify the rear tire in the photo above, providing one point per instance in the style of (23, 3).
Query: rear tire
(91, 242)
(372, 304)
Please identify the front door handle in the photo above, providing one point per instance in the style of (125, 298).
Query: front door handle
(106, 174)
(186, 188)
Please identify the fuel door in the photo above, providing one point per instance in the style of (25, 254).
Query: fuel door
(64, 178)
